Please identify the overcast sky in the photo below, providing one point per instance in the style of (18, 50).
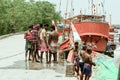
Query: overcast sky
(111, 7)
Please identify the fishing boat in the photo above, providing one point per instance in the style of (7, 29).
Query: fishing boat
(92, 29)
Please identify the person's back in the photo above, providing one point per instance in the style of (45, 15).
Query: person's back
(28, 45)
(82, 53)
(86, 58)
(28, 35)
(34, 36)
(54, 35)
(53, 40)
(43, 42)
(87, 69)
(43, 34)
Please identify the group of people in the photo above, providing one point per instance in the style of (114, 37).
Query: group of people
(38, 41)
(82, 59)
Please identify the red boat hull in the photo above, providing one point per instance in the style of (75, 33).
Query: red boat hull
(96, 32)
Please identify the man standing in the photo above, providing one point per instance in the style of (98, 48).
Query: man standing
(76, 58)
(35, 42)
(81, 63)
(28, 37)
(53, 40)
(87, 69)
(43, 42)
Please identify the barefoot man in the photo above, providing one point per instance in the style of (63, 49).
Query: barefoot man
(53, 40)
(76, 58)
(43, 42)
(87, 69)
(35, 54)
(28, 37)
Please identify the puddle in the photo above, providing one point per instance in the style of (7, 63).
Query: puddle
(29, 65)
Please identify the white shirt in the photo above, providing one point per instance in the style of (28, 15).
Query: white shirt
(42, 34)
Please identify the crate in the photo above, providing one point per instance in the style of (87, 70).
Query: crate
(70, 70)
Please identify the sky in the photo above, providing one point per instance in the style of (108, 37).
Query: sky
(111, 7)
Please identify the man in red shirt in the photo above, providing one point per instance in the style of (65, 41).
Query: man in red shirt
(28, 46)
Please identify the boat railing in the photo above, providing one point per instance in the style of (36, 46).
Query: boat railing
(93, 20)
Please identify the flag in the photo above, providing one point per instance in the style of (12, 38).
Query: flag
(75, 33)
(70, 57)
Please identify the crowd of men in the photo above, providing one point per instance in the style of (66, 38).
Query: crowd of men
(38, 38)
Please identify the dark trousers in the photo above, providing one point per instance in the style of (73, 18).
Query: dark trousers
(66, 54)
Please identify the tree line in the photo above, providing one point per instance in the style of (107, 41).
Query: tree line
(19, 14)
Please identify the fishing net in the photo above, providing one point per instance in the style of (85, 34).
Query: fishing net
(105, 68)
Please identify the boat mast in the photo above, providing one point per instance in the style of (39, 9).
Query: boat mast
(60, 9)
(92, 7)
(65, 21)
(97, 5)
(104, 12)
(72, 9)
(66, 9)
